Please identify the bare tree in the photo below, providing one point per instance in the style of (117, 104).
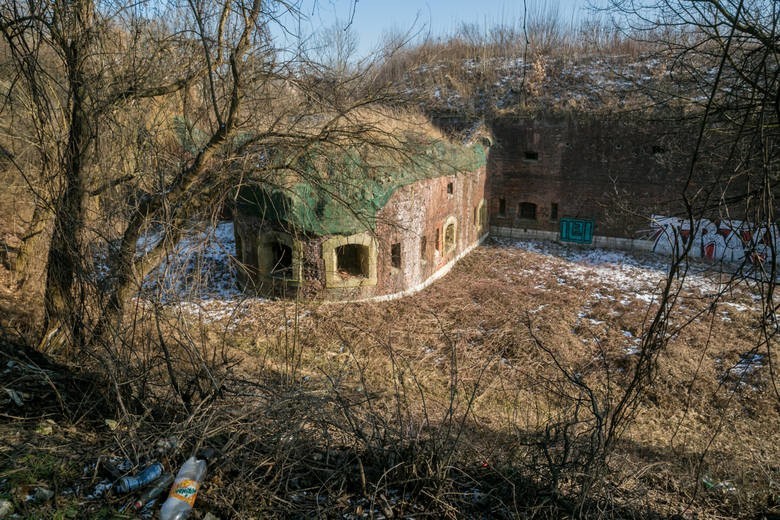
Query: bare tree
(724, 56)
(336, 47)
(143, 116)
(78, 66)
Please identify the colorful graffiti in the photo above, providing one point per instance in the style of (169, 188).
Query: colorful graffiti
(723, 240)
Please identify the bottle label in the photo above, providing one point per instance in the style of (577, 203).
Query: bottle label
(185, 490)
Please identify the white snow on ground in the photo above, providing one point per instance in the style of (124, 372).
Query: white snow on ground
(199, 274)
(199, 279)
(740, 374)
(200, 267)
(638, 278)
(747, 364)
(622, 278)
(572, 82)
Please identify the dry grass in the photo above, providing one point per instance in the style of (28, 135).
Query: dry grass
(444, 404)
(456, 365)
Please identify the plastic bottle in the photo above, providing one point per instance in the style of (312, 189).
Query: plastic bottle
(184, 491)
(158, 488)
(147, 476)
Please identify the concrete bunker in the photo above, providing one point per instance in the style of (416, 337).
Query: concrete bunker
(353, 222)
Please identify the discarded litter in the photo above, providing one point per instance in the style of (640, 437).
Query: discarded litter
(101, 488)
(158, 487)
(184, 491)
(144, 478)
(114, 466)
(725, 486)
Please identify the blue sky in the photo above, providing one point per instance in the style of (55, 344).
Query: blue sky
(373, 18)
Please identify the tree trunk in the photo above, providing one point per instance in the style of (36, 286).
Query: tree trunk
(63, 296)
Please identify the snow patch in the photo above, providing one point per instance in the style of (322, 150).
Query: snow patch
(200, 267)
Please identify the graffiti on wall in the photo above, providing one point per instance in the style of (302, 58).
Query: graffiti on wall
(723, 240)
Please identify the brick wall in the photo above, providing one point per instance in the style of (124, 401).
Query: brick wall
(422, 210)
(611, 170)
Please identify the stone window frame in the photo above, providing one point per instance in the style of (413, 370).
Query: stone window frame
(332, 277)
(264, 241)
(448, 248)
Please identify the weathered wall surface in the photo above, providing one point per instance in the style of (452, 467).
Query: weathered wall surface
(732, 241)
(614, 171)
(411, 221)
(422, 228)
(718, 241)
(416, 215)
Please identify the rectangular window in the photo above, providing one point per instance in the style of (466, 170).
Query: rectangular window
(437, 239)
(554, 211)
(352, 260)
(450, 188)
(395, 255)
(282, 260)
(530, 155)
(527, 210)
(502, 207)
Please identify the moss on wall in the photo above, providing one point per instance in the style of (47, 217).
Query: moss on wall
(340, 193)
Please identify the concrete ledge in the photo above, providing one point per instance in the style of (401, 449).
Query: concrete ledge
(622, 244)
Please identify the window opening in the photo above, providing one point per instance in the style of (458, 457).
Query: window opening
(554, 211)
(502, 207)
(437, 239)
(423, 246)
(450, 188)
(282, 259)
(395, 255)
(352, 260)
(530, 155)
(449, 236)
(528, 210)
